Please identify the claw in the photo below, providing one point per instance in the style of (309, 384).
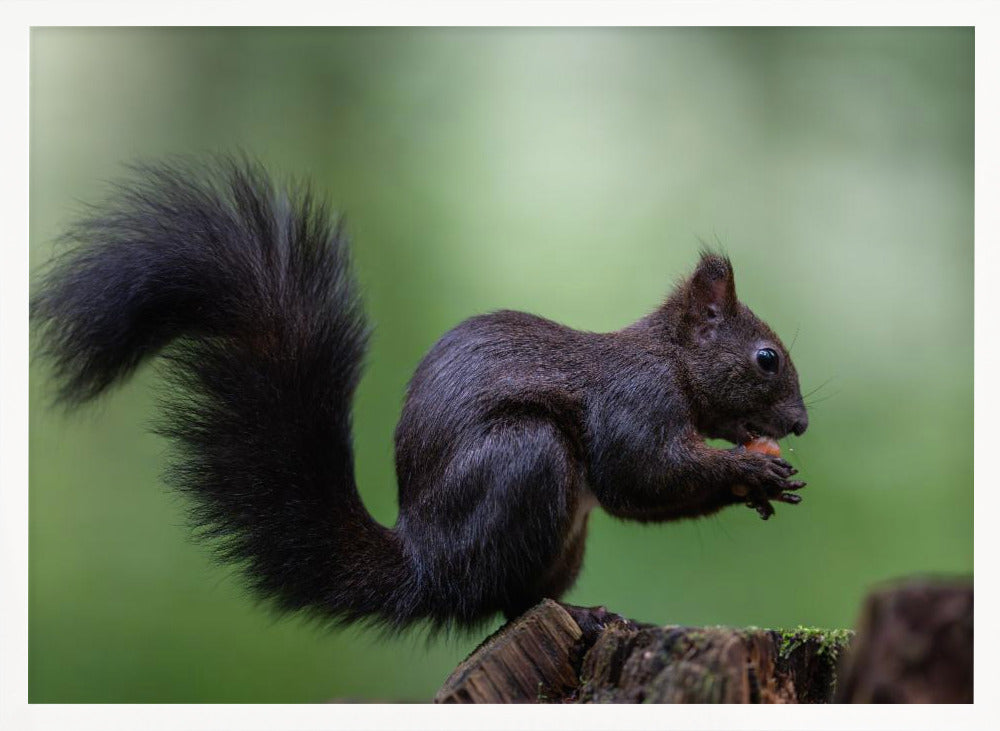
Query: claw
(790, 498)
(765, 510)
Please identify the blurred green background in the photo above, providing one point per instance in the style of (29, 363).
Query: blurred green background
(569, 173)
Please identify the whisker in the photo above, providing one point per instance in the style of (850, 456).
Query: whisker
(822, 399)
(823, 384)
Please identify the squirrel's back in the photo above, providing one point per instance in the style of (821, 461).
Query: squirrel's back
(486, 369)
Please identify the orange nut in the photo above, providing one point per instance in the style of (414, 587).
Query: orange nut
(764, 445)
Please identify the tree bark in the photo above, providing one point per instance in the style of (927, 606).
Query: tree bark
(547, 656)
(915, 644)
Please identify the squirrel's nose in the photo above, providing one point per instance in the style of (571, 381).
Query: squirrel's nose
(800, 426)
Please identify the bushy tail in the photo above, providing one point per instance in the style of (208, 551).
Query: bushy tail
(248, 293)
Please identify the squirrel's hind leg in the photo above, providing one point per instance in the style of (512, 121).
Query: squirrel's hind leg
(499, 538)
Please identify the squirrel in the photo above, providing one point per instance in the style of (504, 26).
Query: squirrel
(513, 427)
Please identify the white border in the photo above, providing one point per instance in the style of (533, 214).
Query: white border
(501, 12)
(15, 20)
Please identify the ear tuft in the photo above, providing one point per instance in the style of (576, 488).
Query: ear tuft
(711, 294)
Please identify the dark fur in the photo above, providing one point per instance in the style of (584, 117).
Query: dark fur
(512, 424)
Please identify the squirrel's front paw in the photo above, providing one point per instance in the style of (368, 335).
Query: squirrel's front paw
(766, 479)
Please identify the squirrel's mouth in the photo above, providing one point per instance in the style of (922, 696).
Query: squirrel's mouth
(743, 432)
(749, 431)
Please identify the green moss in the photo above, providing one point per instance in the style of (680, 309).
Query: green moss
(696, 639)
(830, 641)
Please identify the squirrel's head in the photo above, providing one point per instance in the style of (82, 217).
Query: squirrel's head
(740, 379)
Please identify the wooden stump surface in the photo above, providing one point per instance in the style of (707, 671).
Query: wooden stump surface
(914, 644)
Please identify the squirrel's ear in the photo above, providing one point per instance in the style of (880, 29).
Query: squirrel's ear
(711, 295)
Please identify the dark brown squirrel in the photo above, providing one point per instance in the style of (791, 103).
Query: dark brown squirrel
(513, 427)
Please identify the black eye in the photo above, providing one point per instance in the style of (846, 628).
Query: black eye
(767, 359)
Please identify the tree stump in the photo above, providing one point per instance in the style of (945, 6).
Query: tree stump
(915, 644)
(546, 656)
(533, 658)
(711, 665)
